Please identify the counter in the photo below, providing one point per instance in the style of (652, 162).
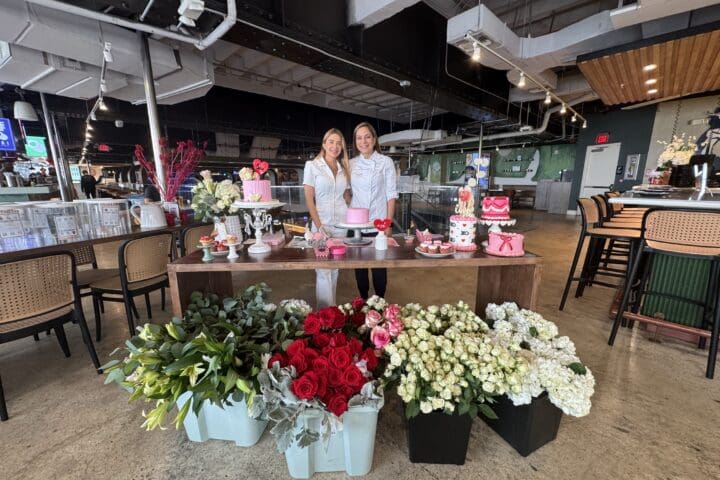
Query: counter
(680, 198)
(26, 194)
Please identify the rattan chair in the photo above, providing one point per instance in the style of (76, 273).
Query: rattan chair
(37, 293)
(190, 238)
(686, 233)
(142, 265)
(598, 236)
(85, 255)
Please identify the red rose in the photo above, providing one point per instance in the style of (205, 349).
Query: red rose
(340, 357)
(312, 324)
(299, 362)
(306, 386)
(326, 317)
(347, 391)
(370, 358)
(321, 340)
(320, 364)
(310, 354)
(353, 376)
(337, 405)
(358, 319)
(296, 347)
(335, 377)
(339, 318)
(322, 383)
(358, 303)
(278, 357)
(355, 346)
(338, 339)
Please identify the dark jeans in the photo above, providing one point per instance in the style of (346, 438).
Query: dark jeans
(379, 278)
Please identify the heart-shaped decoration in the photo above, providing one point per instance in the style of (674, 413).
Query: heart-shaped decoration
(259, 166)
(383, 224)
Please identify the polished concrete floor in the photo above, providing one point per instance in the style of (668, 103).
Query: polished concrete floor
(654, 414)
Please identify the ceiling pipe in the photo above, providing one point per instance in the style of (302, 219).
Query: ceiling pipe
(541, 129)
(203, 43)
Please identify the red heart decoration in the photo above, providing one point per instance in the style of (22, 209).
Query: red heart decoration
(382, 225)
(259, 166)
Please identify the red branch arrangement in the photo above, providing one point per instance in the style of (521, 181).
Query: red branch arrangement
(178, 163)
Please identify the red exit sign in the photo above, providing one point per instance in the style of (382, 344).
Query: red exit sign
(104, 147)
(602, 138)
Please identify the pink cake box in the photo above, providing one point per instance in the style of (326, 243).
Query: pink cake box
(505, 244)
(252, 187)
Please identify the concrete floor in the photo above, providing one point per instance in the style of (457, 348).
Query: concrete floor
(654, 414)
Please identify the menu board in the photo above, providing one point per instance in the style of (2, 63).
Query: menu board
(66, 227)
(10, 224)
(38, 218)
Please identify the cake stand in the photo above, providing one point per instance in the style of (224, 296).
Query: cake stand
(260, 220)
(494, 225)
(357, 239)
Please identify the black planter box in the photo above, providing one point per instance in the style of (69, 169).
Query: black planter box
(438, 438)
(526, 427)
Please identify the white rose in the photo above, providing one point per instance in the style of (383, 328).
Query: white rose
(426, 407)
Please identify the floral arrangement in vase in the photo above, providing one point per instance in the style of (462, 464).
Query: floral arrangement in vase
(328, 371)
(444, 361)
(678, 151)
(178, 163)
(214, 353)
(553, 365)
(214, 199)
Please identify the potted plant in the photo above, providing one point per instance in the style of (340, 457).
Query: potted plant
(446, 371)
(213, 202)
(207, 363)
(321, 396)
(556, 381)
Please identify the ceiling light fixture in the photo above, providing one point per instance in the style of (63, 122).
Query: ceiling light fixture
(650, 67)
(497, 148)
(563, 109)
(92, 116)
(101, 104)
(584, 123)
(573, 118)
(476, 52)
(521, 82)
(107, 53)
(652, 91)
(89, 127)
(651, 81)
(547, 98)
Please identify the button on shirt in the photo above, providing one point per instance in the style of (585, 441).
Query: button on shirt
(329, 190)
(373, 183)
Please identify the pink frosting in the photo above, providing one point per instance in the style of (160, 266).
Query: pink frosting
(505, 244)
(357, 215)
(497, 208)
(251, 187)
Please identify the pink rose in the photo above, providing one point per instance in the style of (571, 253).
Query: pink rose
(392, 312)
(379, 337)
(395, 327)
(372, 319)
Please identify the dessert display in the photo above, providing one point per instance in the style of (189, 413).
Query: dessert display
(464, 224)
(230, 239)
(496, 208)
(255, 189)
(357, 216)
(505, 244)
(206, 241)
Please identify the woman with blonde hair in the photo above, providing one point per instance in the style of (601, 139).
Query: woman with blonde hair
(326, 179)
(373, 187)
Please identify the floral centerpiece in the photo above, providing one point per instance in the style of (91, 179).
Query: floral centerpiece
(212, 199)
(178, 163)
(553, 364)
(212, 355)
(678, 151)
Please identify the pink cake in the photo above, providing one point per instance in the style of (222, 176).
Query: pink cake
(505, 244)
(462, 232)
(496, 208)
(357, 216)
(260, 187)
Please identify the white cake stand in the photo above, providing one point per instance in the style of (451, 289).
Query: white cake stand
(260, 221)
(357, 239)
(494, 226)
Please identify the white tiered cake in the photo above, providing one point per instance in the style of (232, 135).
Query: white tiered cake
(464, 224)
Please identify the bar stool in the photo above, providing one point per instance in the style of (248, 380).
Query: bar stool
(598, 236)
(682, 233)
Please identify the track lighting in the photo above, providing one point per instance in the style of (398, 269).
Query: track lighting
(476, 52)
(584, 123)
(573, 118)
(563, 109)
(101, 105)
(521, 82)
(107, 53)
(93, 117)
(547, 98)
(497, 148)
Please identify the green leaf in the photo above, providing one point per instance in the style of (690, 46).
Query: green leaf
(487, 411)
(463, 408)
(578, 368)
(109, 365)
(115, 375)
(412, 409)
(182, 413)
(533, 332)
(175, 367)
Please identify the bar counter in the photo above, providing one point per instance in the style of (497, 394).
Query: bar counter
(675, 198)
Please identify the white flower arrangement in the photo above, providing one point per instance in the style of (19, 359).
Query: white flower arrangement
(553, 364)
(296, 307)
(444, 360)
(678, 151)
(211, 199)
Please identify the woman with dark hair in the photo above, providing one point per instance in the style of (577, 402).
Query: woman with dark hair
(373, 187)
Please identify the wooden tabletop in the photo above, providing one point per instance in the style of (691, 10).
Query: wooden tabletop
(281, 258)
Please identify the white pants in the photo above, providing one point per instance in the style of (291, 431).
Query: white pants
(325, 286)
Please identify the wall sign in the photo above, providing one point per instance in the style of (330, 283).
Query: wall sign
(35, 147)
(75, 173)
(104, 147)
(7, 141)
(602, 138)
(632, 164)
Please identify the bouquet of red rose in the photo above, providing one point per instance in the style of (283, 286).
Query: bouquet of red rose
(374, 317)
(327, 371)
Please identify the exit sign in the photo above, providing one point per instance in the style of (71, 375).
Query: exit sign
(602, 138)
(104, 147)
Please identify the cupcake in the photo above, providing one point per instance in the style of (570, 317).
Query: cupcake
(433, 248)
(424, 247)
(446, 248)
(206, 241)
(437, 242)
(230, 239)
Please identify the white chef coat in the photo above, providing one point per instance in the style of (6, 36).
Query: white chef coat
(373, 183)
(329, 191)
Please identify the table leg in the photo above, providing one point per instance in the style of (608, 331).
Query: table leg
(182, 284)
(518, 283)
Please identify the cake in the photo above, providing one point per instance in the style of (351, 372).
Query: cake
(230, 239)
(206, 241)
(496, 208)
(505, 244)
(463, 225)
(255, 189)
(357, 216)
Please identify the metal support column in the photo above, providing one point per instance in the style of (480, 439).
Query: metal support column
(153, 120)
(61, 167)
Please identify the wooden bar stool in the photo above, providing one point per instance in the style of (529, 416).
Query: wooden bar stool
(683, 233)
(598, 236)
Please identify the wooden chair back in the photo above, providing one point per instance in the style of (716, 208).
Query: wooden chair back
(145, 257)
(685, 232)
(191, 238)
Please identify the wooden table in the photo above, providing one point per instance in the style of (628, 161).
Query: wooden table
(499, 278)
(681, 198)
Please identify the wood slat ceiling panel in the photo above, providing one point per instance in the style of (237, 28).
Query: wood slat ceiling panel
(684, 66)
